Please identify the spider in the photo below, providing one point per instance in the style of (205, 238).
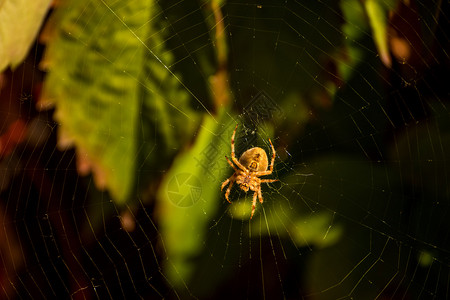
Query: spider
(251, 165)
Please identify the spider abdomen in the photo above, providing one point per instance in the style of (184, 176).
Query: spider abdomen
(254, 159)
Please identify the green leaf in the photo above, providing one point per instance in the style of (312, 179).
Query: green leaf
(353, 29)
(378, 18)
(20, 21)
(95, 62)
(304, 230)
(189, 196)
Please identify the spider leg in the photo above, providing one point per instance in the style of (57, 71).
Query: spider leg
(254, 203)
(260, 196)
(232, 178)
(224, 184)
(273, 157)
(268, 172)
(227, 193)
(231, 164)
(233, 155)
(268, 180)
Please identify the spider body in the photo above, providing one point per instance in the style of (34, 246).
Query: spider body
(255, 160)
(252, 164)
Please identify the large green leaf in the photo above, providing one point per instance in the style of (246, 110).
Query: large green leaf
(113, 92)
(377, 12)
(20, 21)
(95, 61)
(359, 17)
(188, 197)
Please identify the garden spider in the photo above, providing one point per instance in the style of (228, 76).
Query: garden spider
(251, 165)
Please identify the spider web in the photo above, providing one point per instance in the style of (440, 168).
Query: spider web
(360, 209)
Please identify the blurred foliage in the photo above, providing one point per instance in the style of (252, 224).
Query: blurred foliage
(358, 17)
(303, 230)
(20, 21)
(377, 12)
(149, 98)
(354, 29)
(184, 226)
(110, 90)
